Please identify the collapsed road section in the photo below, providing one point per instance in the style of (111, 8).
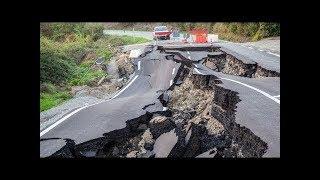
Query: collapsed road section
(179, 103)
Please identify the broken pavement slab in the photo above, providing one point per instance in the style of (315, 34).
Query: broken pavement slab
(164, 144)
(141, 99)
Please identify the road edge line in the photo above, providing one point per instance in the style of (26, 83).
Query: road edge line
(60, 121)
(256, 89)
(79, 109)
(125, 87)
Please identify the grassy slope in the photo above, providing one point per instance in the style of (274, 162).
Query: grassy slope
(83, 74)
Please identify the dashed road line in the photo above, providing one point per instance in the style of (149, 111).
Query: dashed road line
(171, 82)
(173, 71)
(262, 50)
(139, 65)
(273, 53)
(125, 87)
(198, 71)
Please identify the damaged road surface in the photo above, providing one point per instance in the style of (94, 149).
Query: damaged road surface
(192, 101)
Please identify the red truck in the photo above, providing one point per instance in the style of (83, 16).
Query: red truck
(161, 32)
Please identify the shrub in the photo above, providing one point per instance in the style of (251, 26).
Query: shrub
(233, 28)
(47, 87)
(75, 48)
(270, 29)
(84, 75)
(59, 31)
(55, 67)
(94, 30)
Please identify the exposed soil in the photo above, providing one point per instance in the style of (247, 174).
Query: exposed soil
(199, 122)
(229, 64)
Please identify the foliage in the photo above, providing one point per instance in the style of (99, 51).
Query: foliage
(49, 100)
(84, 75)
(63, 57)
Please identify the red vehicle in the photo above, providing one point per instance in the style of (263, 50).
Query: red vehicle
(161, 32)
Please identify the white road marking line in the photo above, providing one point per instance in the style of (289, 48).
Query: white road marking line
(60, 121)
(164, 108)
(139, 65)
(173, 70)
(188, 52)
(198, 71)
(258, 90)
(189, 57)
(77, 110)
(273, 53)
(260, 49)
(250, 47)
(277, 96)
(171, 82)
(125, 87)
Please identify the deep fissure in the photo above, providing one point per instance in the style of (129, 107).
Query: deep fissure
(201, 115)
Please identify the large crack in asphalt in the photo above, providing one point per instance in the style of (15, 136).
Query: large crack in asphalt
(199, 120)
(229, 64)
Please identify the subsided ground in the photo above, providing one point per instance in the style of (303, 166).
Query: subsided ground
(202, 115)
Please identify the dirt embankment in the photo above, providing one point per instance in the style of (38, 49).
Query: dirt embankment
(118, 70)
(229, 64)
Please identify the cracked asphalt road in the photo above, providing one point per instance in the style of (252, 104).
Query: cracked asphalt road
(93, 121)
(153, 72)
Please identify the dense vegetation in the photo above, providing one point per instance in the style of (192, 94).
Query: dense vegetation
(239, 32)
(67, 53)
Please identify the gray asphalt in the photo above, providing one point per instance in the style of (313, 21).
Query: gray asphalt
(93, 121)
(264, 59)
(255, 111)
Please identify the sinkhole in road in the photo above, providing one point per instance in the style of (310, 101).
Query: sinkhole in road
(229, 64)
(212, 122)
(221, 61)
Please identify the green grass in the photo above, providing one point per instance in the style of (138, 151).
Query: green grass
(62, 47)
(134, 40)
(52, 99)
(84, 75)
